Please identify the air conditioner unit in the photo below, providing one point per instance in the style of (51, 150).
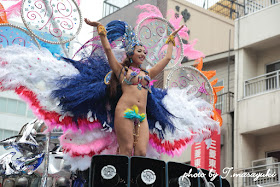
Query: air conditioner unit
(262, 165)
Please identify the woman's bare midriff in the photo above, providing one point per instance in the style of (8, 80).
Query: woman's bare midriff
(131, 96)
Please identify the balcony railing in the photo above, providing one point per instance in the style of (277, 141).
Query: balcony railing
(225, 102)
(111, 6)
(269, 175)
(261, 84)
(256, 5)
(231, 9)
(228, 8)
(234, 8)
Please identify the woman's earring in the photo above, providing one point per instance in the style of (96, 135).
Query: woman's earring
(131, 60)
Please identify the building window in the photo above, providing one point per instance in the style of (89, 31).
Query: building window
(13, 106)
(4, 134)
(271, 78)
(111, 6)
(3, 104)
(7, 133)
(275, 154)
(272, 67)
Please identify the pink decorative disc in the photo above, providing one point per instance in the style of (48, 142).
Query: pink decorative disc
(52, 21)
(195, 83)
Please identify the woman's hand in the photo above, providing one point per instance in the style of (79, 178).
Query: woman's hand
(113, 62)
(92, 23)
(176, 31)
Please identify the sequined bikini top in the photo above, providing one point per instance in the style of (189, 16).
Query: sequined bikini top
(139, 83)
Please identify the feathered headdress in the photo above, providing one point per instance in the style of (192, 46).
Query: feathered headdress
(119, 29)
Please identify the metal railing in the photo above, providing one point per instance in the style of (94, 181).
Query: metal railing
(225, 102)
(261, 84)
(269, 175)
(231, 9)
(256, 5)
(228, 8)
(203, 3)
(234, 8)
(110, 6)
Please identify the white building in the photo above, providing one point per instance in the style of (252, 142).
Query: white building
(14, 113)
(257, 95)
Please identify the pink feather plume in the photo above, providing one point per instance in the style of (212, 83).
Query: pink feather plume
(176, 22)
(190, 52)
(148, 11)
(14, 10)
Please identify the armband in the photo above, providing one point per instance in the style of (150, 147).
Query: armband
(101, 30)
(170, 38)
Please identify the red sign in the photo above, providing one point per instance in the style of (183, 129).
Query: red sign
(208, 159)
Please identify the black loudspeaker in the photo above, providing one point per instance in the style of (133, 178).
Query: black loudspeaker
(147, 172)
(109, 171)
(225, 183)
(212, 179)
(182, 175)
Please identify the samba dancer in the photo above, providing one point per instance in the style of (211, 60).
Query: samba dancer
(130, 121)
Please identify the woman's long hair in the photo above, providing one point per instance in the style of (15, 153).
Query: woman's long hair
(114, 79)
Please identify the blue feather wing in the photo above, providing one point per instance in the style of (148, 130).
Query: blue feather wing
(156, 111)
(85, 91)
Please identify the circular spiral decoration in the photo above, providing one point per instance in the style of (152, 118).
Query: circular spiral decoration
(11, 34)
(153, 32)
(52, 21)
(193, 81)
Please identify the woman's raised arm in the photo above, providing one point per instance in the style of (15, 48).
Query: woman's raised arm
(114, 64)
(155, 70)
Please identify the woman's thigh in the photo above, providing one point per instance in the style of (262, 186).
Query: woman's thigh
(124, 131)
(143, 138)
